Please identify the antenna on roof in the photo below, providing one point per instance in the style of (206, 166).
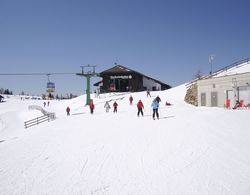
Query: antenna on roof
(211, 58)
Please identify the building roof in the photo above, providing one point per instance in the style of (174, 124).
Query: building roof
(122, 69)
(98, 83)
(118, 69)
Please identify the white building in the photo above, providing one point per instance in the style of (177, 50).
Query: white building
(230, 84)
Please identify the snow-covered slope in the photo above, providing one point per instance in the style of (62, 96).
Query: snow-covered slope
(189, 150)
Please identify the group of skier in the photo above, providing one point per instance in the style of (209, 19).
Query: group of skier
(44, 104)
(140, 107)
(107, 106)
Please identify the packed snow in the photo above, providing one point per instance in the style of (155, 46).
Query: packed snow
(189, 150)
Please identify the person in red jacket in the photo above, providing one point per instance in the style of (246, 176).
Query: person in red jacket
(140, 108)
(91, 106)
(68, 111)
(115, 105)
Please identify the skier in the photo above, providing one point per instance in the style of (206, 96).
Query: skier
(68, 111)
(48, 103)
(140, 108)
(107, 106)
(148, 93)
(168, 104)
(44, 104)
(131, 100)
(115, 106)
(91, 106)
(155, 106)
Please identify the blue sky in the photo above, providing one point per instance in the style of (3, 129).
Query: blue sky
(169, 40)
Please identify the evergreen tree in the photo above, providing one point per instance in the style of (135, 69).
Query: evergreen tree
(6, 91)
(198, 74)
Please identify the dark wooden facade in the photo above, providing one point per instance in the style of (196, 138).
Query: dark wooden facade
(121, 79)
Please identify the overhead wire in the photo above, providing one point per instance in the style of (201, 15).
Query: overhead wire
(35, 74)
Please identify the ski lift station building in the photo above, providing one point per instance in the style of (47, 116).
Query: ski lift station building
(121, 79)
(226, 86)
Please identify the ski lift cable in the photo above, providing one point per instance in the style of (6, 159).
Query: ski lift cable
(36, 74)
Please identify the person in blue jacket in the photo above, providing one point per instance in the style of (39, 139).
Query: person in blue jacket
(155, 106)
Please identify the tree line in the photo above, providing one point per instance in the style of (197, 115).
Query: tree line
(5, 91)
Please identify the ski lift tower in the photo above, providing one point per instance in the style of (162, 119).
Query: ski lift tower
(90, 72)
(50, 87)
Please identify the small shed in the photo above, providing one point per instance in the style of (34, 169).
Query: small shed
(1, 98)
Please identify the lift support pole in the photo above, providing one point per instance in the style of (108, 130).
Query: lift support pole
(88, 90)
(88, 75)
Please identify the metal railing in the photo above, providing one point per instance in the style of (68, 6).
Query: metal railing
(236, 64)
(37, 121)
(47, 116)
(35, 107)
